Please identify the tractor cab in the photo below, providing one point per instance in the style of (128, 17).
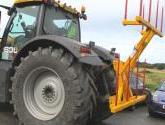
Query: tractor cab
(31, 18)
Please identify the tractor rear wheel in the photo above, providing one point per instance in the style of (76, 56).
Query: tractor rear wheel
(51, 88)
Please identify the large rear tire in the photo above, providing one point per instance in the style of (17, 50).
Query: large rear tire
(51, 88)
(103, 110)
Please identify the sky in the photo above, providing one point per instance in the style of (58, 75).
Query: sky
(104, 26)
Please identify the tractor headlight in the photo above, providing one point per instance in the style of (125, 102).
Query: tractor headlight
(155, 97)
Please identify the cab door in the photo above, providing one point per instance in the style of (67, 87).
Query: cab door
(5, 65)
(22, 29)
(19, 29)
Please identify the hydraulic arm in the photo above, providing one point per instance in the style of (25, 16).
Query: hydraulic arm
(124, 97)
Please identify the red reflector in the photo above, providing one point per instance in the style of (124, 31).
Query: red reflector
(116, 55)
(85, 50)
(45, 1)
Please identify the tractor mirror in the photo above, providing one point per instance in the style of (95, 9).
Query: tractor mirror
(11, 10)
(113, 50)
(91, 44)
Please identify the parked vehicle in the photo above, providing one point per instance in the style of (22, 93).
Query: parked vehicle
(156, 101)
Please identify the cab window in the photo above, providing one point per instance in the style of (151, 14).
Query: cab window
(61, 23)
(22, 29)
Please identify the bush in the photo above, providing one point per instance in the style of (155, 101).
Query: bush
(152, 87)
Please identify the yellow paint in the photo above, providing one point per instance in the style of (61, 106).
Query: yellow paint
(125, 104)
(128, 22)
(25, 1)
(63, 6)
(140, 21)
(124, 96)
(67, 8)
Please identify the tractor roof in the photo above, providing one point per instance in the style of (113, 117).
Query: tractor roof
(54, 2)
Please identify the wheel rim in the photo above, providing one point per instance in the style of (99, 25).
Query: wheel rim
(44, 93)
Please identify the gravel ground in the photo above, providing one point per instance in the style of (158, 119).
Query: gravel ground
(6, 117)
(137, 117)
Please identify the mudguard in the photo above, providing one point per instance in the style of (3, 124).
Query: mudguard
(53, 40)
(103, 53)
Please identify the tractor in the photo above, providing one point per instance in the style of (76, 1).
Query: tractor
(51, 78)
(46, 73)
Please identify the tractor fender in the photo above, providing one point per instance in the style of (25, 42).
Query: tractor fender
(103, 53)
(72, 46)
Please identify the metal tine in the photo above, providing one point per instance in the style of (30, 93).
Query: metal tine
(150, 10)
(126, 9)
(157, 14)
(141, 6)
(162, 19)
(143, 15)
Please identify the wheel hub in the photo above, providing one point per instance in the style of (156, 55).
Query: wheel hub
(49, 94)
(44, 93)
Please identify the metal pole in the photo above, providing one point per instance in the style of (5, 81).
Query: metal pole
(137, 78)
(117, 80)
(157, 14)
(0, 17)
(150, 9)
(144, 72)
(141, 5)
(162, 19)
(128, 77)
(143, 16)
(126, 9)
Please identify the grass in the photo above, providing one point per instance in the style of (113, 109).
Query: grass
(152, 87)
(154, 78)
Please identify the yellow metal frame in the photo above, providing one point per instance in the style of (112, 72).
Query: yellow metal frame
(124, 97)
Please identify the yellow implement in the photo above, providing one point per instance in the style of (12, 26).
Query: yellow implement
(124, 97)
